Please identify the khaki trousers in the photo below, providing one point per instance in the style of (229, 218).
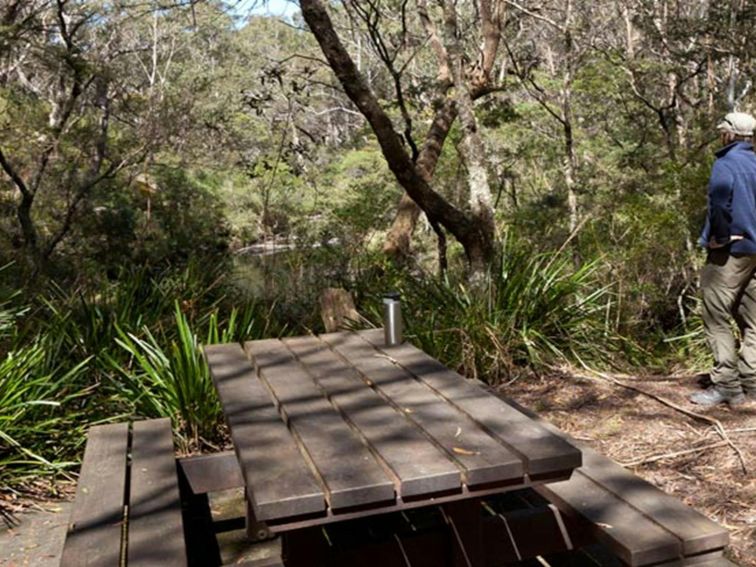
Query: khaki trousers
(728, 285)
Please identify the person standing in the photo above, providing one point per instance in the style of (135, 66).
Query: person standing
(728, 280)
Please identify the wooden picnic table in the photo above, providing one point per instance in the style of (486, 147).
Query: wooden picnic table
(338, 426)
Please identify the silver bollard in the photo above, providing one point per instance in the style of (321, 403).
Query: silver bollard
(392, 319)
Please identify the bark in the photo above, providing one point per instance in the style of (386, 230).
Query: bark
(629, 33)
(570, 160)
(474, 239)
(398, 240)
(570, 167)
(23, 211)
(337, 309)
(397, 243)
(473, 150)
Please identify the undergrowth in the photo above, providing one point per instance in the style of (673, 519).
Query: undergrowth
(132, 347)
(532, 311)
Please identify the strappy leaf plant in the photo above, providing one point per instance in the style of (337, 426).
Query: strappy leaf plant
(40, 415)
(166, 374)
(533, 310)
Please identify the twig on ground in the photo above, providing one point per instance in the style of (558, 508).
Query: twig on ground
(742, 430)
(694, 415)
(659, 457)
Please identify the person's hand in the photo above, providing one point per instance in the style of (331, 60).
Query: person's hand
(713, 244)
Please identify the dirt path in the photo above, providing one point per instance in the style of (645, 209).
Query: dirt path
(37, 541)
(653, 440)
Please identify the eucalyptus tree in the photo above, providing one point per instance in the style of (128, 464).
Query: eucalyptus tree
(684, 62)
(52, 89)
(89, 94)
(562, 35)
(465, 54)
(59, 99)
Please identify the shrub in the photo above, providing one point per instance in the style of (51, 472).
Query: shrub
(40, 421)
(166, 375)
(531, 311)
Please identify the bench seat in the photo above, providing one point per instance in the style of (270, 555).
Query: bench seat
(641, 524)
(127, 509)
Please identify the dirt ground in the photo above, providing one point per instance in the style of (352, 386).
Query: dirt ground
(679, 453)
(37, 540)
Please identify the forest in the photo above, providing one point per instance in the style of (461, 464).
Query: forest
(530, 175)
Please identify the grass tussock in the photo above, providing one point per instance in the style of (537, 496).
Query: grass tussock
(533, 310)
(125, 350)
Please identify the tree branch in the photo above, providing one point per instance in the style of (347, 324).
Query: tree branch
(13, 174)
(399, 162)
(535, 15)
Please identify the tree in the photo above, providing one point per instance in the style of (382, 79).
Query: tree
(472, 227)
(92, 92)
(64, 96)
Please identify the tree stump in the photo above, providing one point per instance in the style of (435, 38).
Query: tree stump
(337, 309)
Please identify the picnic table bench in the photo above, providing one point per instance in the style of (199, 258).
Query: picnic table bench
(334, 427)
(358, 453)
(127, 509)
(640, 523)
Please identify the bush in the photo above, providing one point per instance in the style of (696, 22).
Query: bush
(169, 379)
(167, 376)
(40, 421)
(532, 311)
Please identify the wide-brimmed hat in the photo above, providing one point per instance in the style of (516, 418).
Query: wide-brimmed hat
(738, 123)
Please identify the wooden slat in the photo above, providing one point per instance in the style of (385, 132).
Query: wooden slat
(156, 532)
(718, 562)
(697, 533)
(351, 474)
(484, 459)
(542, 451)
(94, 530)
(628, 533)
(279, 481)
(420, 467)
(713, 559)
(212, 473)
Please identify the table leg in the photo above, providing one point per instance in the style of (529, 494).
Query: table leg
(304, 548)
(256, 531)
(464, 520)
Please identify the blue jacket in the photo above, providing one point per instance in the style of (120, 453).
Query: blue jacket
(732, 199)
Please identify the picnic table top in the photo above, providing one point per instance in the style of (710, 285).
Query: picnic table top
(329, 426)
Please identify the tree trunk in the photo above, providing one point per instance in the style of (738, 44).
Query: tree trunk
(397, 245)
(398, 240)
(570, 160)
(467, 230)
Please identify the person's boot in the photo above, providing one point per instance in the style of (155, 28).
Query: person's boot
(714, 396)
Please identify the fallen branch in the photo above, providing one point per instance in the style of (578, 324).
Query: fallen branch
(659, 457)
(719, 428)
